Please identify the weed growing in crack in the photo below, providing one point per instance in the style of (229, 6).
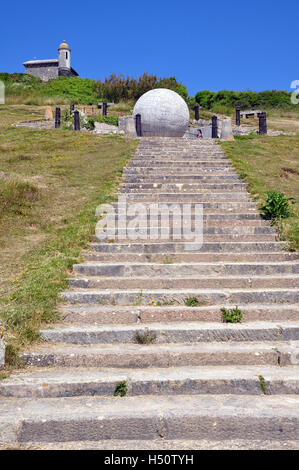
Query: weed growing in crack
(120, 389)
(146, 337)
(231, 315)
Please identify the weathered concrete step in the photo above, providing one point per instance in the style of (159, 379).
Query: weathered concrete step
(149, 163)
(165, 444)
(223, 247)
(181, 332)
(194, 156)
(188, 282)
(165, 236)
(194, 178)
(73, 382)
(189, 417)
(198, 196)
(185, 269)
(172, 170)
(100, 315)
(208, 229)
(175, 187)
(189, 257)
(211, 217)
(139, 356)
(222, 203)
(183, 168)
(178, 296)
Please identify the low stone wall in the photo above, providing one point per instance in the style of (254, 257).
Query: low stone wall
(2, 344)
(103, 128)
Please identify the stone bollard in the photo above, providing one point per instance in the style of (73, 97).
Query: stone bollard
(196, 112)
(57, 118)
(76, 121)
(138, 125)
(262, 123)
(2, 344)
(238, 117)
(214, 127)
(104, 108)
(48, 113)
(225, 131)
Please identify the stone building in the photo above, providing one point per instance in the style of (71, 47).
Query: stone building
(52, 68)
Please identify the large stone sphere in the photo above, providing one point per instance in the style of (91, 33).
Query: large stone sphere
(163, 112)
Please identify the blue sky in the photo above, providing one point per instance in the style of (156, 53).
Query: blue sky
(205, 44)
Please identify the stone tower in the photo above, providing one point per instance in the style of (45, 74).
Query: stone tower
(64, 59)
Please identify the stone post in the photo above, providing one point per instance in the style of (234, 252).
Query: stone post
(262, 123)
(138, 125)
(76, 121)
(238, 117)
(104, 108)
(57, 118)
(196, 112)
(214, 127)
(2, 344)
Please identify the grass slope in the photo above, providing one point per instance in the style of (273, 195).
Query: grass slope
(270, 163)
(50, 184)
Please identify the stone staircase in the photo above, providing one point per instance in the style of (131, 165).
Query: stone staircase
(189, 380)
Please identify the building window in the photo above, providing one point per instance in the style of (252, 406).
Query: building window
(66, 56)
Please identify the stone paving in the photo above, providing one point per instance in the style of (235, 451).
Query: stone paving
(132, 365)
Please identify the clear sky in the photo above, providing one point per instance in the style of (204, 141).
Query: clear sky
(210, 44)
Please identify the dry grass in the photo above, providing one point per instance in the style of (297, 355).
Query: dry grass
(270, 163)
(51, 183)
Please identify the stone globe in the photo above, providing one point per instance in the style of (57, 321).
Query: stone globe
(163, 112)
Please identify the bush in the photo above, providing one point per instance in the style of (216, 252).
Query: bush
(243, 99)
(120, 88)
(277, 206)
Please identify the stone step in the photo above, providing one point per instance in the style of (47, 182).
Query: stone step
(211, 217)
(181, 332)
(193, 178)
(100, 315)
(190, 157)
(140, 356)
(188, 282)
(165, 444)
(150, 418)
(220, 230)
(179, 296)
(147, 163)
(163, 236)
(222, 203)
(183, 170)
(216, 380)
(227, 196)
(171, 248)
(186, 269)
(190, 257)
(175, 187)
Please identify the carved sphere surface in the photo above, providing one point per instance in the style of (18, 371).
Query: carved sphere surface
(163, 112)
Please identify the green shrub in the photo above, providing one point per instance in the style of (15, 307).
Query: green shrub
(118, 88)
(121, 389)
(191, 302)
(231, 315)
(226, 99)
(277, 206)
